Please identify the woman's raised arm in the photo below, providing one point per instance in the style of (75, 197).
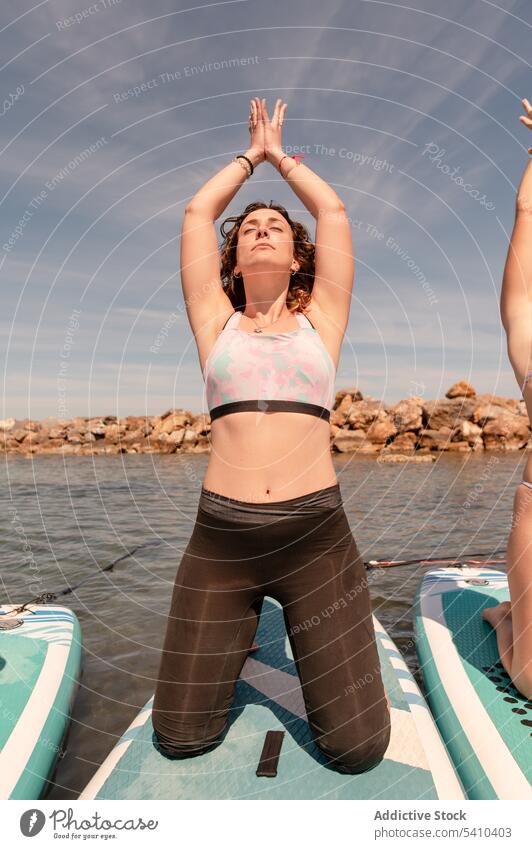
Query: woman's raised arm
(516, 294)
(206, 303)
(334, 262)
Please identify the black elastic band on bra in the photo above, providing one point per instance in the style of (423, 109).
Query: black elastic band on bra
(265, 406)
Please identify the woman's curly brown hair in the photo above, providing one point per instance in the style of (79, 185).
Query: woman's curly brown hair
(301, 283)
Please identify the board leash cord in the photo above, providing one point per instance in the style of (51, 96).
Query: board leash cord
(46, 597)
(473, 559)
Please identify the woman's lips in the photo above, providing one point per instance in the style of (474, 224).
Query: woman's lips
(264, 245)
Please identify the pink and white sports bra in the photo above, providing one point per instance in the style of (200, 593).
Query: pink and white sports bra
(290, 371)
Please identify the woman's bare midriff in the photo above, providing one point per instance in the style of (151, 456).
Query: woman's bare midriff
(258, 456)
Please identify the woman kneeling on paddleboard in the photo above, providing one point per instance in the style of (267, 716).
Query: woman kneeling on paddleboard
(268, 315)
(512, 619)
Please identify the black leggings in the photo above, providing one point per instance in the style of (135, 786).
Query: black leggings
(302, 552)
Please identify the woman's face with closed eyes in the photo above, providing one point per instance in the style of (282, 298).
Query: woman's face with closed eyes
(265, 240)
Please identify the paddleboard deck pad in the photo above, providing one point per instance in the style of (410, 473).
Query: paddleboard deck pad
(268, 697)
(485, 722)
(40, 661)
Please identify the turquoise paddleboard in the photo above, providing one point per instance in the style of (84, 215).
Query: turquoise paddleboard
(268, 696)
(485, 722)
(40, 658)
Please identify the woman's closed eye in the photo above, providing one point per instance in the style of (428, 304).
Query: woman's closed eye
(248, 230)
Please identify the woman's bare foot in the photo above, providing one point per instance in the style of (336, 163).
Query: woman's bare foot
(496, 613)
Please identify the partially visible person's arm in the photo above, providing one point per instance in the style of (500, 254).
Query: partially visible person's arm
(516, 294)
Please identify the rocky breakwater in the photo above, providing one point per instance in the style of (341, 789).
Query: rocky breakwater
(413, 428)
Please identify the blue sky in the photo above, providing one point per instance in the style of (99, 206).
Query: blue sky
(400, 105)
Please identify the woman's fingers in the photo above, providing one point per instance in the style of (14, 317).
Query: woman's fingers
(254, 112)
(527, 119)
(278, 115)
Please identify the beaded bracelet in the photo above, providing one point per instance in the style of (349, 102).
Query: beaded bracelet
(241, 156)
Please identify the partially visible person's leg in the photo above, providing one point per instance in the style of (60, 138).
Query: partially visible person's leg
(213, 618)
(324, 592)
(513, 620)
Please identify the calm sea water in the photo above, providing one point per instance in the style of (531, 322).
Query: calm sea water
(80, 514)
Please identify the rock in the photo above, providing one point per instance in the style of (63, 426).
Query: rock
(7, 424)
(406, 458)
(113, 432)
(487, 412)
(462, 389)
(39, 437)
(112, 449)
(434, 440)
(448, 413)
(511, 404)
(177, 436)
(7, 443)
(506, 433)
(19, 434)
(97, 427)
(345, 403)
(163, 441)
(201, 424)
(69, 448)
(338, 418)
(353, 393)
(468, 431)
(203, 445)
(134, 422)
(133, 436)
(349, 440)
(175, 421)
(363, 413)
(190, 438)
(381, 432)
(369, 448)
(407, 415)
(181, 417)
(404, 443)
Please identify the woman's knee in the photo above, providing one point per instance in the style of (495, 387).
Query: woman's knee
(180, 750)
(181, 739)
(178, 746)
(361, 756)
